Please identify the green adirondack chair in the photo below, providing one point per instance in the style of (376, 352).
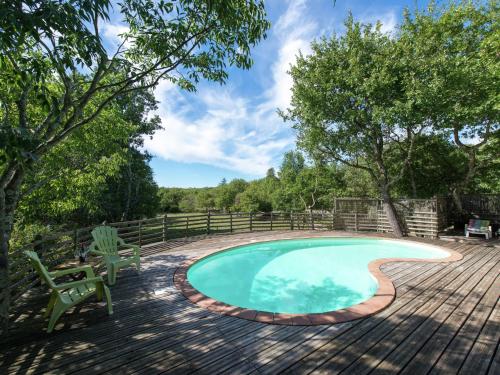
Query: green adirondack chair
(64, 296)
(106, 243)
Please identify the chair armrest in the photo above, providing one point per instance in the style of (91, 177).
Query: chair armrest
(136, 249)
(96, 252)
(73, 284)
(92, 249)
(89, 272)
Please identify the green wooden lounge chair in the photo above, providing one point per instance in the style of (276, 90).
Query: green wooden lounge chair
(64, 296)
(476, 226)
(106, 243)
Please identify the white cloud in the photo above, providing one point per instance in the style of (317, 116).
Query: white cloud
(294, 31)
(229, 130)
(388, 20)
(225, 135)
(114, 35)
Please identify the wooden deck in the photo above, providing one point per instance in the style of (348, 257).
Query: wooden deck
(445, 319)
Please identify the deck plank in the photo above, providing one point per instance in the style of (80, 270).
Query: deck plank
(459, 348)
(429, 353)
(402, 326)
(482, 355)
(291, 352)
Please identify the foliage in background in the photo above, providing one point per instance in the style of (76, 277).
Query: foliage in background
(436, 160)
(453, 75)
(96, 175)
(57, 77)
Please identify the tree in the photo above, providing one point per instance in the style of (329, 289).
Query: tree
(225, 194)
(170, 199)
(255, 198)
(452, 53)
(487, 178)
(435, 159)
(205, 200)
(284, 198)
(348, 103)
(96, 175)
(357, 183)
(188, 203)
(270, 173)
(132, 193)
(44, 47)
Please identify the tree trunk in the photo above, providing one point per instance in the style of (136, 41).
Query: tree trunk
(392, 215)
(456, 195)
(311, 217)
(459, 188)
(126, 209)
(9, 196)
(4, 267)
(412, 181)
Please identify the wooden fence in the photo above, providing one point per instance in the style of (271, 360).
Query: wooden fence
(419, 216)
(58, 247)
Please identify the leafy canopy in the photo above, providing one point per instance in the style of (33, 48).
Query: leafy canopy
(53, 57)
(349, 101)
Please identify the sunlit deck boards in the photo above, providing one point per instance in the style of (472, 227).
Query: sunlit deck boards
(445, 319)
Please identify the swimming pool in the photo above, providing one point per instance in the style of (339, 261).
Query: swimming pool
(300, 276)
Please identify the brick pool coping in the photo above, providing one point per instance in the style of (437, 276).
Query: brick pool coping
(383, 297)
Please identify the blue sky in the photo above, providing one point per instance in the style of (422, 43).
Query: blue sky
(233, 131)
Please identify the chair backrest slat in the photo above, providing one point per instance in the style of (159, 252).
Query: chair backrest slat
(40, 268)
(106, 239)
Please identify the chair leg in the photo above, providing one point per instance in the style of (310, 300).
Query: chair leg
(50, 306)
(111, 275)
(99, 291)
(109, 304)
(59, 308)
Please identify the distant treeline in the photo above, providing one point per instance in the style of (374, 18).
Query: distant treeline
(298, 185)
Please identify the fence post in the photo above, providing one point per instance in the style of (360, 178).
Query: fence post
(230, 222)
(164, 232)
(75, 241)
(208, 222)
(312, 220)
(250, 219)
(333, 220)
(187, 226)
(291, 220)
(140, 232)
(271, 220)
(356, 221)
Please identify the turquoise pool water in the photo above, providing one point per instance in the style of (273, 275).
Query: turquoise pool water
(299, 276)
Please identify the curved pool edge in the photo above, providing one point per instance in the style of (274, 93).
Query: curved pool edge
(383, 297)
